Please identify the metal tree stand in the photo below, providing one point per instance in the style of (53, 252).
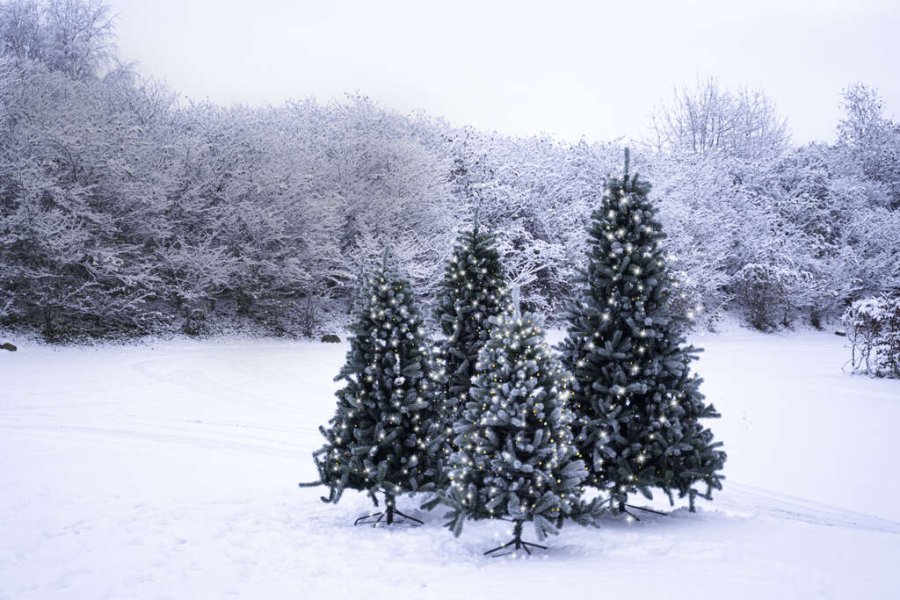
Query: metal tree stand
(388, 515)
(623, 508)
(516, 542)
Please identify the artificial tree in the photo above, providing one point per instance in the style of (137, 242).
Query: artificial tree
(383, 437)
(637, 406)
(515, 459)
(473, 291)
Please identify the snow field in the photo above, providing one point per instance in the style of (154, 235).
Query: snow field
(169, 470)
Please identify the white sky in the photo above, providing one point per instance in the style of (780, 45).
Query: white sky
(590, 68)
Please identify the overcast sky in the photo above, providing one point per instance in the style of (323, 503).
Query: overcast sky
(594, 69)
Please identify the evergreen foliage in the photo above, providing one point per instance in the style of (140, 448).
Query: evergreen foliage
(381, 439)
(637, 405)
(473, 291)
(516, 460)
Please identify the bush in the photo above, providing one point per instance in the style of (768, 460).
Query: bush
(765, 291)
(196, 323)
(873, 328)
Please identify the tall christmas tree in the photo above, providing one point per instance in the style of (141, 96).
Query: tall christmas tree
(473, 291)
(382, 437)
(637, 405)
(515, 457)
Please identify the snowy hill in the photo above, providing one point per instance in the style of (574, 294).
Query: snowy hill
(169, 470)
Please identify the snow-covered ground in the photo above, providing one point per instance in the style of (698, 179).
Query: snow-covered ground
(169, 470)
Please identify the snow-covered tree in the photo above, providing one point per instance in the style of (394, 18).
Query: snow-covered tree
(74, 37)
(871, 139)
(74, 251)
(708, 119)
(530, 191)
(126, 211)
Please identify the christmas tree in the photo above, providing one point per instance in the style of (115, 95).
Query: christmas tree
(473, 291)
(515, 457)
(382, 437)
(637, 405)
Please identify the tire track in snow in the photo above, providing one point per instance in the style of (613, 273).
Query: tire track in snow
(739, 497)
(762, 502)
(235, 443)
(234, 390)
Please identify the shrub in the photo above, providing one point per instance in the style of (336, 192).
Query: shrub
(873, 328)
(765, 291)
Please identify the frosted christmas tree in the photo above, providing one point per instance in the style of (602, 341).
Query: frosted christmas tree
(515, 459)
(637, 405)
(382, 439)
(473, 291)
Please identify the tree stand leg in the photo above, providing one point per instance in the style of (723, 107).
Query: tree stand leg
(623, 508)
(388, 515)
(649, 510)
(516, 542)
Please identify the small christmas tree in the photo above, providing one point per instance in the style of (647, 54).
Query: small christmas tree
(382, 437)
(636, 403)
(515, 457)
(474, 290)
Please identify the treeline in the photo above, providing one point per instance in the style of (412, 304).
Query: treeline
(126, 210)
